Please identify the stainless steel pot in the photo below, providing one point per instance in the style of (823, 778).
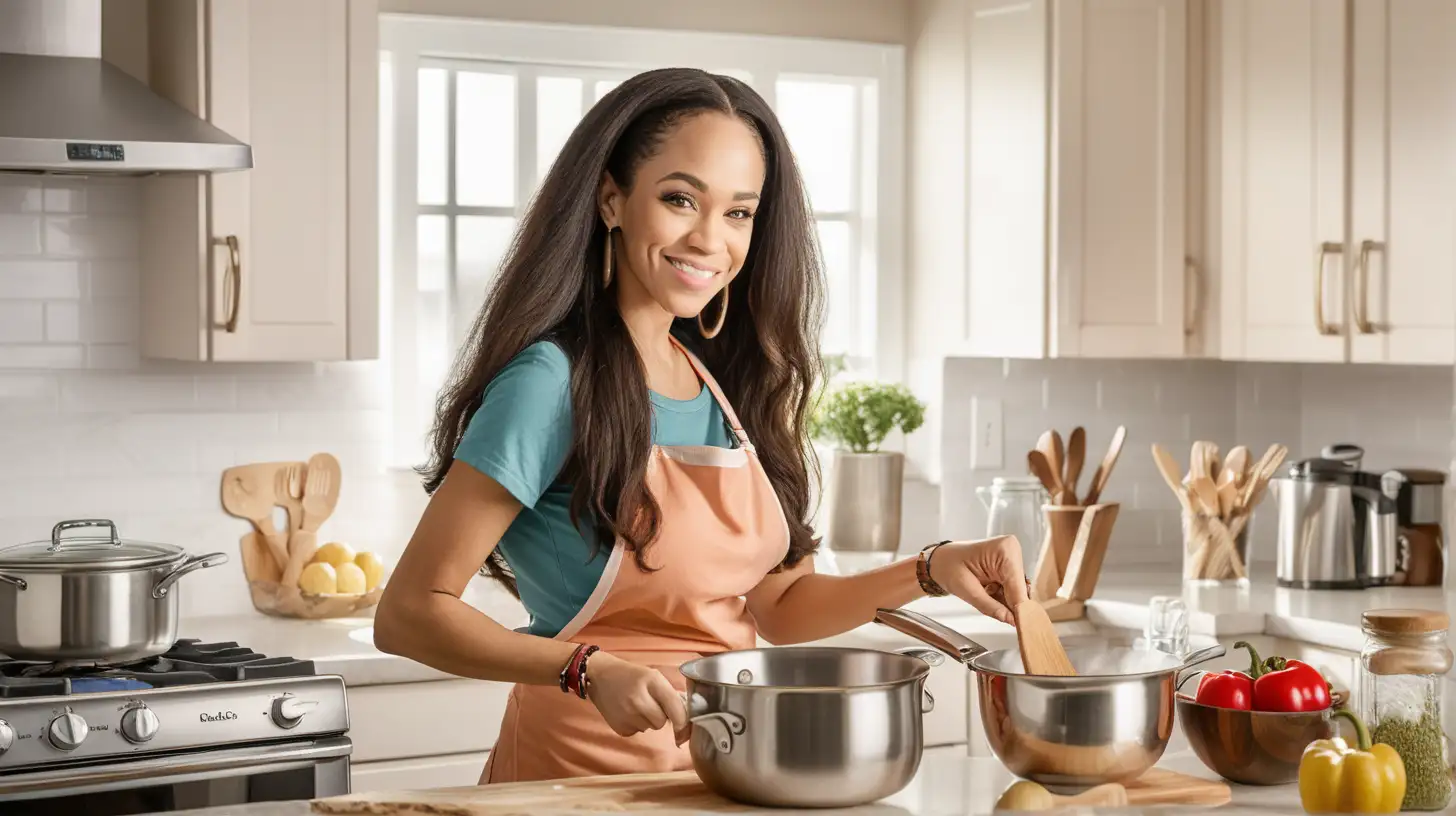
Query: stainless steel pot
(91, 599)
(1110, 723)
(807, 726)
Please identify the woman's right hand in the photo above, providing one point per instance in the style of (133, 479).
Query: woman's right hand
(634, 698)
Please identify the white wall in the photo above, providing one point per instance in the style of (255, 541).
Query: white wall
(1401, 415)
(87, 429)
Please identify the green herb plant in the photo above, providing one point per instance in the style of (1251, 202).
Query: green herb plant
(857, 416)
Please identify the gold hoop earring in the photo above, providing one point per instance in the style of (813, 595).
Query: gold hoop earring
(608, 260)
(709, 334)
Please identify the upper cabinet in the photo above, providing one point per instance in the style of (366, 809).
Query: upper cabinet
(1075, 167)
(279, 262)
(1336, 198)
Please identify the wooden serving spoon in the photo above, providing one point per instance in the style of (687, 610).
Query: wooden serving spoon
(1076, 454)
(1041, 649)
(1104, 468)
(1037, 463)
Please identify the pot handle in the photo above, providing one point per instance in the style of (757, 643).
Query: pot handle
(927, 705)
(1201, 656)
(18, 583)
(722, 726)
(930, 632)
(193, 562)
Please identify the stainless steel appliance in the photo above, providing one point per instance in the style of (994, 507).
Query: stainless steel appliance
(1337, 526)
(205, 724)
(65, 110)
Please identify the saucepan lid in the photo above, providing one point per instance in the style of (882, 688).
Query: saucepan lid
(99, 550)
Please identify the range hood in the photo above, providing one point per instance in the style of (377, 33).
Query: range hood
(65, 110)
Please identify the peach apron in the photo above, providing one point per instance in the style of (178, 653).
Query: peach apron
(721, 531)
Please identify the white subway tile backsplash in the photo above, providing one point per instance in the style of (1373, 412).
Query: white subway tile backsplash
(90, 429)
(22, 321)
(20, 234)
(39, 279)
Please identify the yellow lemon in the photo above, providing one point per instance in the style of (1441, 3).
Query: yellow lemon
(336, 553)
(373, 569)
(319, 578)
(351, 579)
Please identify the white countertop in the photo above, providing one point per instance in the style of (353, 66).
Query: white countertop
(948, 783)
(345, 646)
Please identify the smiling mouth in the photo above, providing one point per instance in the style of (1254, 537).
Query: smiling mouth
(695, 271)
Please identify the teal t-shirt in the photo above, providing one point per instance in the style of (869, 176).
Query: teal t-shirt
(520, 436)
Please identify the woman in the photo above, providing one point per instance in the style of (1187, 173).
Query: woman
(589, 450)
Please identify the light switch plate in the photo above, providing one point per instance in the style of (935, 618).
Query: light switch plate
(985, 433)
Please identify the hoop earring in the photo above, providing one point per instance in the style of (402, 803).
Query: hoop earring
(709, 334)
(608, 259)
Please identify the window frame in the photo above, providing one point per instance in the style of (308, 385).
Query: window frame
(409, 42)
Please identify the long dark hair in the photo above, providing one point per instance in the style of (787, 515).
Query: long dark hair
(550, 287)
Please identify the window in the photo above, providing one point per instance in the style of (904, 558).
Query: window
(473, 113)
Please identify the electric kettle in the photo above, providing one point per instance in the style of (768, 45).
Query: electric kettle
(1337, 526)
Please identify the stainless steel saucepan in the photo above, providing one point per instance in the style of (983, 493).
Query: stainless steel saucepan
(1110, 723)
(91, 599)
(806, 726)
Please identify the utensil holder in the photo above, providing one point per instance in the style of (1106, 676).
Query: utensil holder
(271, 597)
(1212, 554)
(1071, 554)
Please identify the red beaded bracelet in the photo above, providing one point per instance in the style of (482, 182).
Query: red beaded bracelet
(573, 675)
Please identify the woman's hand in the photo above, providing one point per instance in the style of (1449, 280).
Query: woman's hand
(986, 574)
(634, 698)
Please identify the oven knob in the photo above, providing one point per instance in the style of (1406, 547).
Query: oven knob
(7, 736)
(139, 724)
(68, 731)
(288, 710)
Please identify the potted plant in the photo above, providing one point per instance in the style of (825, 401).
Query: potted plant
(866, 484)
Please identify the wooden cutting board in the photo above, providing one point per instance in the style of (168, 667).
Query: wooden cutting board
(637, 793)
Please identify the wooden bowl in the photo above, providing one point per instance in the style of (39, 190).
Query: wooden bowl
(1253, 747)
(290, 602)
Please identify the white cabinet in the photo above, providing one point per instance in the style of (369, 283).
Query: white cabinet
(1076, 137)
(1327, 108)
(279, 262)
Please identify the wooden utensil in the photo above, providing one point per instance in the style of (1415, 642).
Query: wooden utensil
(1237, 464)
(1169, 470)
(248, 493)
(1041, 468)
(288, 492)
(1041, 650)
(320, 490)
(1104, 469)
(301, 543)
(258, 562)
(1084, 563)
(1050, 445)
(1076, 454)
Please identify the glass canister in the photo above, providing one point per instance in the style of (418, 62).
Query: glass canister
(1013, 507)
(1402, 674)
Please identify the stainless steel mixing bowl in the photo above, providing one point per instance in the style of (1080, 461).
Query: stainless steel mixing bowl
(1110, 723)
(806, 726)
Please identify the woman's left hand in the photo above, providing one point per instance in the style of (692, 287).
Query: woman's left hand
(986, 574)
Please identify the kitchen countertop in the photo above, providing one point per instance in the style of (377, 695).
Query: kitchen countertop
(947, 784)
(345, 646)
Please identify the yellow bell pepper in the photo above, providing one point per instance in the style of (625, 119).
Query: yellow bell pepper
(1335, 778)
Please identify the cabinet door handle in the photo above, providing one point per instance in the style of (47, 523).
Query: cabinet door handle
(232, 282)
(1190, 322)
(1362, 301)
(1319, 285)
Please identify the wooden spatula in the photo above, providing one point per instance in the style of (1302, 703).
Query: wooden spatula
(1076, 455)
(1041, 650)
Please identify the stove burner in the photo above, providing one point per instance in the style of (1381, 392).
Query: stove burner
(187, 663)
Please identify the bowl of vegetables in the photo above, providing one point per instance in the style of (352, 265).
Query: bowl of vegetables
(1252, 727)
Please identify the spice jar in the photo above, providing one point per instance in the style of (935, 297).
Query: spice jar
(1402, 673)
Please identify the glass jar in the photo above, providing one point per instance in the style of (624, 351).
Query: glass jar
(1402, 674)
(1013, 507)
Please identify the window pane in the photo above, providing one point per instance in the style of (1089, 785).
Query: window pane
(604, 86)
(431, 135)
(558, 109)
(818, 118)
(834, 239)
(431, 263)
(485, 139)
(480, 241)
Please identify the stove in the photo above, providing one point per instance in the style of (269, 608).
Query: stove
(202, 725)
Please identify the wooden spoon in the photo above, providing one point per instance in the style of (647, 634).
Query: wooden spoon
(1169, 469)
(1104, 469)
(1076, 454)
(1041, 650)
(1050, 445)
(1237, 464)
(1037, 463)
(248, 493)
(320, 490)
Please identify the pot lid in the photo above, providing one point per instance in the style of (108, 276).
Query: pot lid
(1322, 470)
(102, 549)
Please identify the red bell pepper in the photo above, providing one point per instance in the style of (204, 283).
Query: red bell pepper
(1281, 684)
(1230, 689)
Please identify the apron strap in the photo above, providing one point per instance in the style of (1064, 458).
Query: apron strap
(717, 392)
